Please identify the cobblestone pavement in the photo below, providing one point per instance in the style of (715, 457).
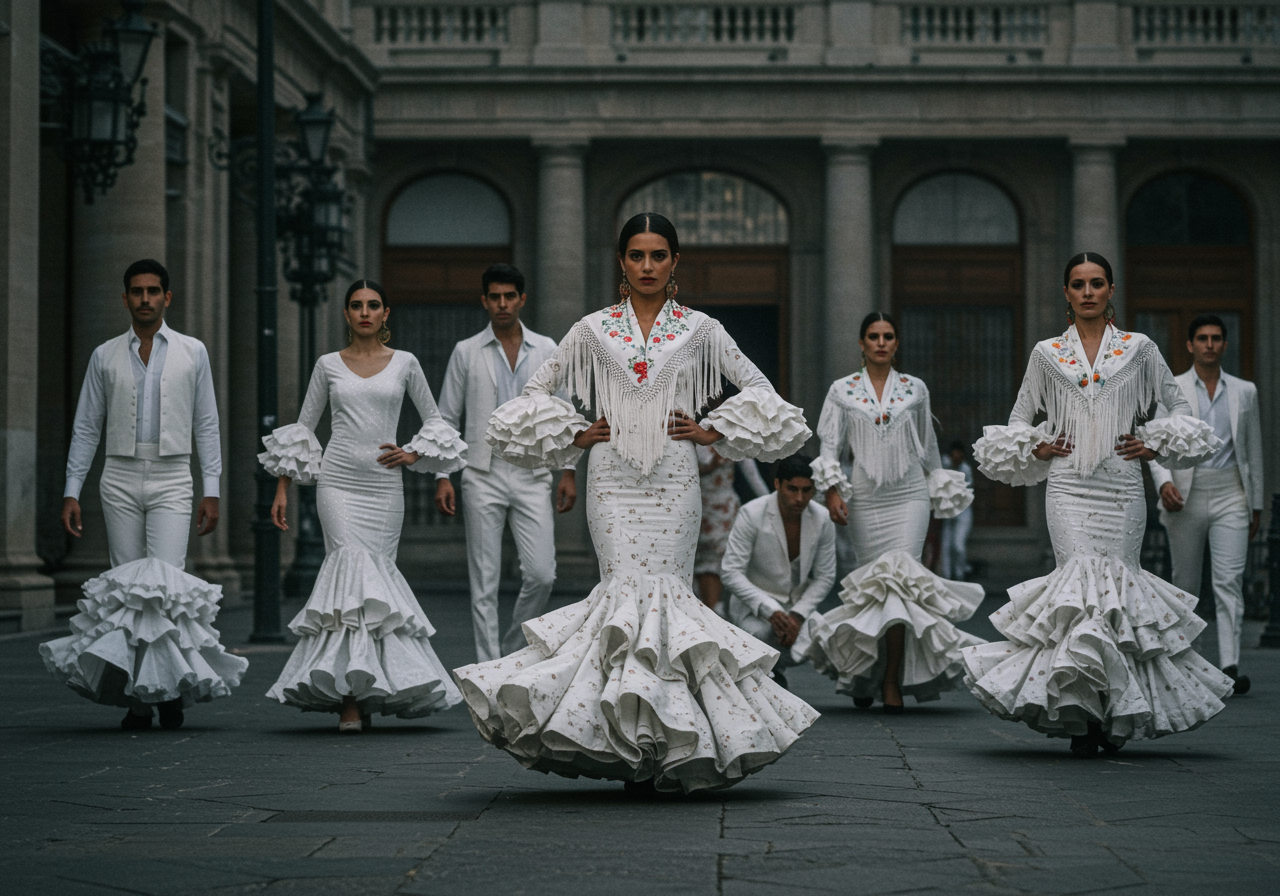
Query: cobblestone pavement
(251, 797)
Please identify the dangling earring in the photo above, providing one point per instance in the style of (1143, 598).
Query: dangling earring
(351, 335)
(384, 334)
(1071, 313)
(624, 288)
(1110, 312)
(672, 289)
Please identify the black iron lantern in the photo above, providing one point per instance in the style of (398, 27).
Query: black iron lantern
(314, 125)
(129, 37)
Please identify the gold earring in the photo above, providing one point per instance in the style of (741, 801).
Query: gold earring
(1110, 312)
(384, 334)
(1071, 313)
(672, 289)
(624, 288)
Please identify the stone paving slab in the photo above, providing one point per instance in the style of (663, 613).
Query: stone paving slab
(253, 798)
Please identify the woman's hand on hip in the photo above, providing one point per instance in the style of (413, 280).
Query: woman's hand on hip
(683, 428)
(394, 456)
(596, 432)
(1059, 447)
(1130, 447)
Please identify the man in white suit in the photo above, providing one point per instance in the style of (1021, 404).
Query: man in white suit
(1221, 499)
(485, 371)
(780, 562)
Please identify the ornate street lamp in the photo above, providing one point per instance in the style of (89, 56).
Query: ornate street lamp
(91, 97)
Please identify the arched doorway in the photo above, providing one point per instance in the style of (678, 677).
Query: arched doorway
(440, 234)
(1189, 251)
(733, 257)
(957, 283)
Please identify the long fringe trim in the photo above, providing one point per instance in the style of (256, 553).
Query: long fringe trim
(688, 381)
(885, 453)
(1092, 426)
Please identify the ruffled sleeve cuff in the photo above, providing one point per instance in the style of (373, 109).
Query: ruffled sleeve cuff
(827, 474)
(536, 431)
(1004, 453)
(948, 493)
(292, 451)
(439, 448)
(1180, 441)
(758, 425)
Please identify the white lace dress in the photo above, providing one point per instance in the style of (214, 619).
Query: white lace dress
(896, 481)
(1099, 638)
(640, 680)
(362, 631)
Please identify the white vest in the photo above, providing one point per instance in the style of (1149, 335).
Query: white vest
(177, 396)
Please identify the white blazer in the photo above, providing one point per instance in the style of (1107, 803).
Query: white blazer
(756, 571)
(1246, 434)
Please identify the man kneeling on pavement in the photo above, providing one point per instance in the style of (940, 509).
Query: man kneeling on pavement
(780, 563)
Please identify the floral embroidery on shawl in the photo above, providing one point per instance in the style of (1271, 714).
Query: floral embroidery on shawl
(620, 334)
(1112, 355)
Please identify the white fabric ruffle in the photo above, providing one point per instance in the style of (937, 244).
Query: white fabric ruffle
(949, 494)
(757, 424)
(638, 681)
(1181, 442)
(363, 633)
(1097, 641)
(827, 474)
(292, 451)
(895, 589)
(439, 448)
(1004, 453)
(144, 634)
(536, 431)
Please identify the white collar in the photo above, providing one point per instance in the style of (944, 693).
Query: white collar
(163, 333)
(899, 393)
(1114, 352)
(618, 331)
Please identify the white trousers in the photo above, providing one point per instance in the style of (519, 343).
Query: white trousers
(1215, 509)
(491, 499)
(146, 500)
(955, 546)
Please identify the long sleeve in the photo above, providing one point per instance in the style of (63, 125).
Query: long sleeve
(86, 431)
(832, 438)
(453, 392)
(755, 423)
(294, 450)
(823, 571)
(1004, 452)
(536, 430)
(733, 569)
(204, 422)
(949, 494)
(1180, 439)
(439, 447)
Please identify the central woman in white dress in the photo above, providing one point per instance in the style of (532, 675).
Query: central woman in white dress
(1099, 650)
(641, 682)
(363, 644)
(893, 634)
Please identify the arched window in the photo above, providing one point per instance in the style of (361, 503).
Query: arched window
(734, 261)
(957, 280)
(448, 210)
(1189, 250)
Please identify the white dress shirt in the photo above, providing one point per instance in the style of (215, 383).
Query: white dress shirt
(91, 412)
(1216, 412)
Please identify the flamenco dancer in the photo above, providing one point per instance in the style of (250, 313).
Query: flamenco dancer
(1099, 650)
(893, 634)
(363, 644)
(144, 636)
(641, 682)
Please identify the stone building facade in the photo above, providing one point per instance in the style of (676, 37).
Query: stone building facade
(822, 158)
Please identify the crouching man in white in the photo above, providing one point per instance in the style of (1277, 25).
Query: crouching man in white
(780, 563)
(485, 371)
(144, 636)
(1221, 499)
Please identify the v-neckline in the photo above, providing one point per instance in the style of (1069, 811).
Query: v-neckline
(390, 360)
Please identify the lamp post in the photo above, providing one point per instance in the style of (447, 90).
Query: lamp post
(1271, 635)
(91, 98)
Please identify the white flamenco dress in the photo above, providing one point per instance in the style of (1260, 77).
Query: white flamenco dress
(362, 632)
(1099, 639)
(896, 481)
(640, 681)
(145, 635)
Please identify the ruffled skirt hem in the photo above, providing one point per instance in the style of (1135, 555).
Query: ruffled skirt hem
(144, 634)
(639, 681)
(1097, 641)
(895, 589)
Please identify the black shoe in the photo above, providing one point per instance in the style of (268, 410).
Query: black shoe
(863, 702)
(1241, 682)
(779, 679)
(171, 717)
(1084, 745)
(132, 722)
(643, 788)
(1100, 738)
(893, 709)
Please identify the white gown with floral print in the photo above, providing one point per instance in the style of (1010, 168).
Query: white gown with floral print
(1099, 638)
(896, 481)
(640, 681)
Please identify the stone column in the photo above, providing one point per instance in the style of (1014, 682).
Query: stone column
(561, 278)
(850, 252)
(1095, 212)
(116, 229)
(26, 597)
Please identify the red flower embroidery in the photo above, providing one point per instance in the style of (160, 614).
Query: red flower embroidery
(626, 338)
(616, 314)
(670, 336)
(657, 339)
(613, 332)
(641, 369)
(676, 312)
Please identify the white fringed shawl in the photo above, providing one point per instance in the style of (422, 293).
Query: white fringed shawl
(883, 436)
